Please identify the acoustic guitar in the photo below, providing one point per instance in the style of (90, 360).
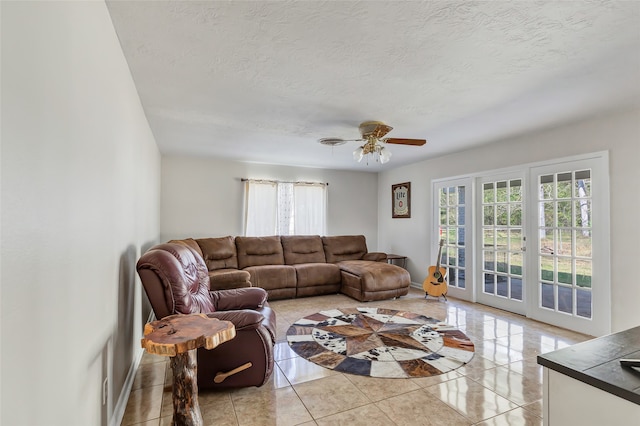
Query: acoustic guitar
(435, 284)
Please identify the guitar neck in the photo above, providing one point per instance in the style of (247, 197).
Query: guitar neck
(439, 255)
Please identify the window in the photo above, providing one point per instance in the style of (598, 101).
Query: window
(285, 208)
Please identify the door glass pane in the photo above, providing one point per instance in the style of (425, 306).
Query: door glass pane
(488, 218)
(547, 187)
(443, 197)
(515, 264)
(502, 288)
(489, 260)
(564, 214)
(501, 261)
(548, 217)
(516, 288)
(515, 215)
(501, 192)
(548, 299)
(502, 236)
(461, 195)
(582, 215)
(546, 268)
(583, 273)
(565, 299)
(488, 195)
(453, 196)
(564, 185)
(547, 241)
(461, 278)
(583, 183)
(515, 190)
(565, 271)
(489, 283)
(515, 239)
(583, 303)
(501, 215)
(487, 238)
(451, 212)
(583, 245)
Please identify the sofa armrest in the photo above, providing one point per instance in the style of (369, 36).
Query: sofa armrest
(375, 256)
(239, 298)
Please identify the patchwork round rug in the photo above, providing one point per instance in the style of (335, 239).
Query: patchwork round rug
(380, 342)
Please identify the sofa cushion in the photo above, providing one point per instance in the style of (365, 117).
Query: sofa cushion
(302, 249)
(258, 251)
(219, 253)
(271, 277)
(223, 279)
(344, 247)
(317, 274)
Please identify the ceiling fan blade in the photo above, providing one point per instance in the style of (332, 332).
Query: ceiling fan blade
(401, 141)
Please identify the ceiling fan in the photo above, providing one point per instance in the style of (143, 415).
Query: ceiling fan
(373, 133)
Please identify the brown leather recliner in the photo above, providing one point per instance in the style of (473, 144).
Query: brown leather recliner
(176, 281)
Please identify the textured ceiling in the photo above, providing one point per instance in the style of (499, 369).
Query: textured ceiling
(263, 81)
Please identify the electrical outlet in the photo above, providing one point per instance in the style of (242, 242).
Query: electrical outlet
(104, 390)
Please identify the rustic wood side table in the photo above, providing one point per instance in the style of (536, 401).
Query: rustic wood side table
(178, 336)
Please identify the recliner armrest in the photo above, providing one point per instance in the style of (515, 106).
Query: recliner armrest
(245, 319)
(263, 320)
(239, 298)
(375, 256)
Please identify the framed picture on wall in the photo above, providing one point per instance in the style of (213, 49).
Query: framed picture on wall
(401, 200)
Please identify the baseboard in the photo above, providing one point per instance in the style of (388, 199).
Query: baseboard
(121, 405)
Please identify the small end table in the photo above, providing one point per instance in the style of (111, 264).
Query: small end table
(402, 260)
(178, 336)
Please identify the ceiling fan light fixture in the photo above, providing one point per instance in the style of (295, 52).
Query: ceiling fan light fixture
(373, 135)
(358, 154)
(385, 155)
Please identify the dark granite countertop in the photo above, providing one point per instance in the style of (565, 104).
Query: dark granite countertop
(596, 363)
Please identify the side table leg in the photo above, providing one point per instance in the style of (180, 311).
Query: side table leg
(186, 410)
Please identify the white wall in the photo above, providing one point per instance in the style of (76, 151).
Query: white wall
(80, 201)
(618, 133)
(204, 197)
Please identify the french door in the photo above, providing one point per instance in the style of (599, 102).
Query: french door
(501, 260)
(539, 245)
(453, 210)
(571, 245)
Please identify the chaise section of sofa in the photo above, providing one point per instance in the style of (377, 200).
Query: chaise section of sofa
(365, 276)
(367, 281)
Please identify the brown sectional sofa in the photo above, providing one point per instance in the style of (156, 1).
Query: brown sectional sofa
(301, 265)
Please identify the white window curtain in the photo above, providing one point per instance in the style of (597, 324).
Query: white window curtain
(310, 213)
(261, 204)
(285, 208)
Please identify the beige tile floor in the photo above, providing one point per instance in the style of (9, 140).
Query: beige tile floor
(502, 385)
